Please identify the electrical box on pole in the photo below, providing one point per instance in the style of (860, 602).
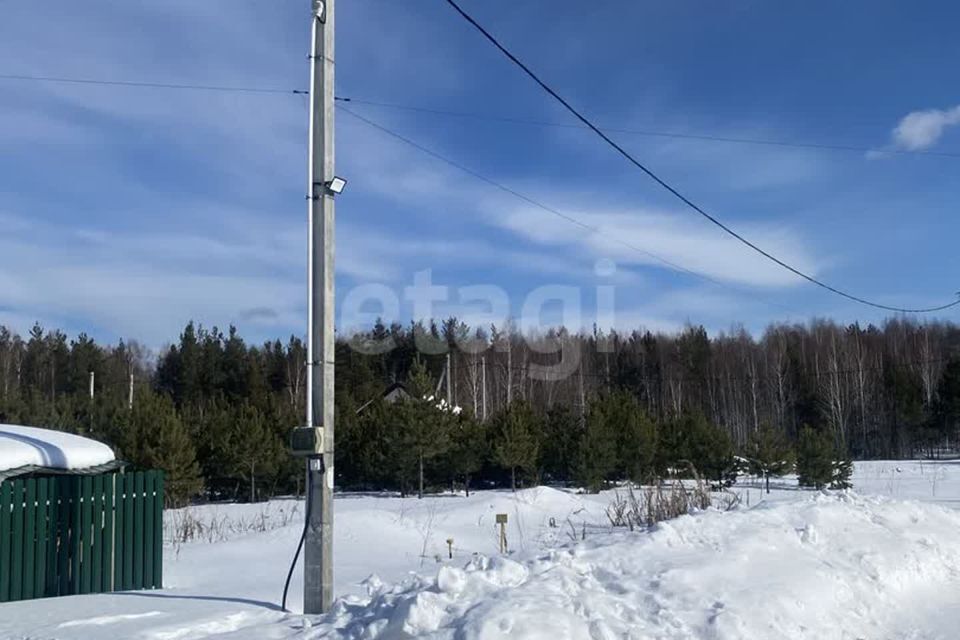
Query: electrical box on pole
(307, 441)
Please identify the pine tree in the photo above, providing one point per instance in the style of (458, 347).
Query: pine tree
(710, 450)
(470, 448)
(769, 453)
(517, 443)
(251, 448)
(637, 441)
(819, 463)
(559, 453)
(597, 449)
(424, 421)
(692, 440)
(842, 471)
(672, 447)
(157, 439)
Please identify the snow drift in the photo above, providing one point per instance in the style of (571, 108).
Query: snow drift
(830, 566)
(800, 565)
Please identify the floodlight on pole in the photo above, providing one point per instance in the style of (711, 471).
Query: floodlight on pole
(336, 185)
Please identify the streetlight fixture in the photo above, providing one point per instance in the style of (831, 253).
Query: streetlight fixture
(336, 185)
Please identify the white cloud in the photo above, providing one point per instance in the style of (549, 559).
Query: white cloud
(677, 238)
(144, 286)
(920, 130)
(395, 172)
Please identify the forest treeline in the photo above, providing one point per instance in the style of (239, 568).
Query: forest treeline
(216, 412)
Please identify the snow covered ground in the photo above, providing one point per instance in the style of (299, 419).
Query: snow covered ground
(883, 562)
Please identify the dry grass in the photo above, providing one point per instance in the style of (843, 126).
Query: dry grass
(665, 500)
(181, 526)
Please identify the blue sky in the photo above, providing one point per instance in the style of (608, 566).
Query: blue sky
(126, 212)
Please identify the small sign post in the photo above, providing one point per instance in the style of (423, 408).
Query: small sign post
(502, 521)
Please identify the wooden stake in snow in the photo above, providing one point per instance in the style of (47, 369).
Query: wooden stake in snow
(502, 521)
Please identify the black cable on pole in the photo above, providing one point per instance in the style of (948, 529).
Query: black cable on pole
(639, 132)
(150, 85)
(674, 191)
(296, 556)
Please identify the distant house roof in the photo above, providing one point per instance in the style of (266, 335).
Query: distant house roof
(31, 450)
(391, 394)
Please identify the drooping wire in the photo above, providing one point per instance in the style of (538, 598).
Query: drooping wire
(629, 157)
(476, 115)
(150, 85)
(592, 228)
(479, 116)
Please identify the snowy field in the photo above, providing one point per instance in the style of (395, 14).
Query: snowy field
(880, 562)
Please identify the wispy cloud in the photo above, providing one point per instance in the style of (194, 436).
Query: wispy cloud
(141, 285)
(401, 174)
(674, 237)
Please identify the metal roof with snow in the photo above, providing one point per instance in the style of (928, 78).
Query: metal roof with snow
(26, 450)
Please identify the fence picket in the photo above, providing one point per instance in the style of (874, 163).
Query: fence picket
(76, 535)
(29, 536)
(128, 536)
(6, 510)
(96, 540)
(41, 538)
(138, 531)
(158, 527)
(118, 532)
(53, 537)
(16, 548)
(65, 545)
(86, 535)
(148, 515)
(106, 558)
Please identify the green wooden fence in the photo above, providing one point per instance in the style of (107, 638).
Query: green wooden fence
(74, 534)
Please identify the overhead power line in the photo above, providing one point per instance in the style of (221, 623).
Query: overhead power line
(475, 115)
(151, 85)
(619, 149)
(639, 132)
(589, 227)
(587, 123)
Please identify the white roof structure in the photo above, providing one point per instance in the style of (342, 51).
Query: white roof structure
(31, 448)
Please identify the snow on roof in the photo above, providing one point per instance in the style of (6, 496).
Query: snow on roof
(30, 446)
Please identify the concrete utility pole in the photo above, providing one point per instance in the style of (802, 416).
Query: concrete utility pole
(93, 376)
(130, 395)
(318, 545)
